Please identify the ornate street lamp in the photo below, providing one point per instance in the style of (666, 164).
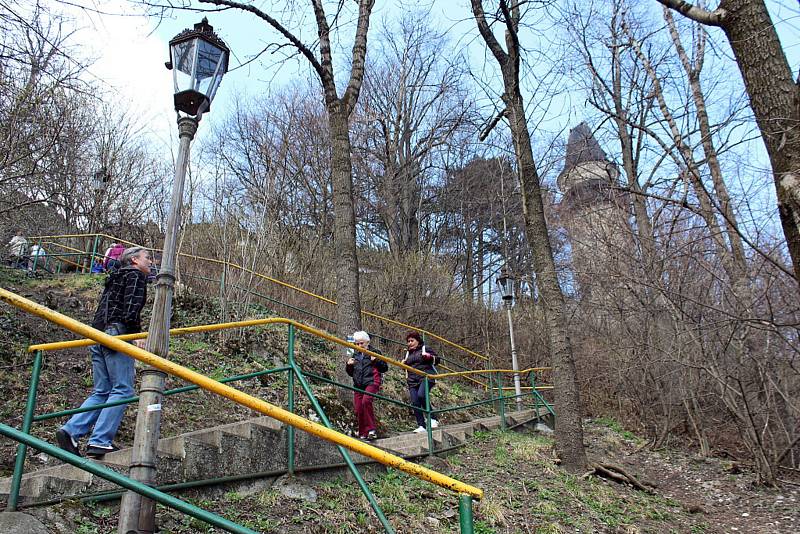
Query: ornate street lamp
(198, 60)
(505, 282)
(100, 180)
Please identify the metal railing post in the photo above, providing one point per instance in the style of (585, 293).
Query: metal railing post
(345, 453)
(290, 400)
(428, 415)
(465, 514)
(492, 386)
(533, 395)
(27, 420)
(502, 402)
(34, 259)
(94, 251)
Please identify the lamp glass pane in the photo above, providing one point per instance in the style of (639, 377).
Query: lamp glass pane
(208, 61)
(182, 63)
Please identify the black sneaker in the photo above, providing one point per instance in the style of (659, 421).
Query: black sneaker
(97, 452)
(66, 442)
(372, 435)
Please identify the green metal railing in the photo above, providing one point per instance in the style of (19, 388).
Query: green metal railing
(118, 345)
(293, 371)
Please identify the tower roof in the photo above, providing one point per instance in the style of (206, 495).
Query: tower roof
(582, 147)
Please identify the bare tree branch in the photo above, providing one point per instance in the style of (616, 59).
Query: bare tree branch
(486, 32)
(697, 14)
(359, 56)
(278, 27)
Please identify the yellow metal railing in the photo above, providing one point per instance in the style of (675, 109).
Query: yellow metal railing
(237, 396)
(77, 343)
(288, 286)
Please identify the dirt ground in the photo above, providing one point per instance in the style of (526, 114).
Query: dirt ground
(721, 494)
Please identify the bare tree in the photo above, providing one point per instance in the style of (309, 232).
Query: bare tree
(569, 431)
(42, 104)
(687, 352)
(773, 92)
(414, 101)
(348, 314)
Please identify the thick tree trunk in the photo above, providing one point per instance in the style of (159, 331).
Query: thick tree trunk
(569, 430)
(774, 98)
(348, 309)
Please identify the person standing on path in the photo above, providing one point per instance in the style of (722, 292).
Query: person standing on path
(18, 251)
(119, 312)
(367, 372)
(422, 359)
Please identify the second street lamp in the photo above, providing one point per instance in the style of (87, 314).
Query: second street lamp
(198, 59)
(506, 285)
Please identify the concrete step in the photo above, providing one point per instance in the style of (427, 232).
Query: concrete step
(38, 484)
(408, 450)
(243, 447)
(407, 439)
(168, 447)
(520, 417)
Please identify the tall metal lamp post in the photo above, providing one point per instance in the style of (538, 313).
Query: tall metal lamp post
(198, 60)
(506, 284)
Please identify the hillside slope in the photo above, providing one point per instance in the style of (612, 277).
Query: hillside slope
(66, 375)
(525, 493)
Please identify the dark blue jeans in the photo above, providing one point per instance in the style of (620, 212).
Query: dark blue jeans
(113, 374)
(417, 395)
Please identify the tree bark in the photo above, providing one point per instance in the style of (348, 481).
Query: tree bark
(348, 309)
(348, 302)
(569, 430)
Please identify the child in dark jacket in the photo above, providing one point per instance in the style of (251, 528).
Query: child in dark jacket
(367, 372)
(423, 359)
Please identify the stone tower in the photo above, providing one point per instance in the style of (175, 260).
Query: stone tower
(595, 215)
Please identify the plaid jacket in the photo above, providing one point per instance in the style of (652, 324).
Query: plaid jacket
(122, 301)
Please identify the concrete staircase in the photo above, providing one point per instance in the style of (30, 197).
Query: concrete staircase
(251, 446)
